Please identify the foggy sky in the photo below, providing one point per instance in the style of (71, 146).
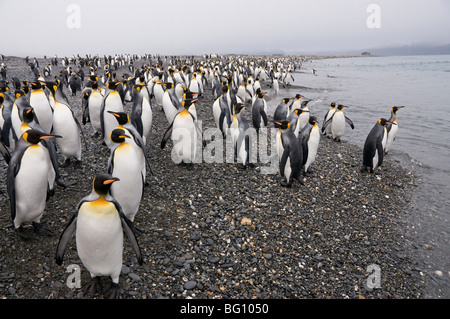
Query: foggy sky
(37, 28)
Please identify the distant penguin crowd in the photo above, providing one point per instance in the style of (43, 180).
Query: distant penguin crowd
(37, 123)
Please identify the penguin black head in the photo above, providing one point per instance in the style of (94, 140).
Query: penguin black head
(118, 136)
(138, 87)
(121, 117)
(36, 85)
(384, 122)
(28, 115)
(305, 103)
(102, 183)
(19, 93)
(340, 106)
(298, 96)
(34, 136)
(188, 95)
(396, 108)
(112, 85)
(333, 104)
(284, 125)
(286, 100)
(238, 107)
(300, 111)
(313, 120)
(186, 103)
(168, 85)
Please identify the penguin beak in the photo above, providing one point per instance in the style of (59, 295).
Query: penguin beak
(50, 136)
(390, 123)
(124, 136)
(278, 123)
(110, 181)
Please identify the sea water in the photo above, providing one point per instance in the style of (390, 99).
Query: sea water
(370, 87)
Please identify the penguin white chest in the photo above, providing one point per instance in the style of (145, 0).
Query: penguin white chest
(42, 108)
(31, 185)
(184, 136)
(99, 238)
(338, 124)
(95, 102)
(65, 126)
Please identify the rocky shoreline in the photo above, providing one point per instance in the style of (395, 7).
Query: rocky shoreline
(216, 231)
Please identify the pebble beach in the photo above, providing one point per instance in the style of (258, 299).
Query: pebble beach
(216, 231)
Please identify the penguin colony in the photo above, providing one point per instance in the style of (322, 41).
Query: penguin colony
(37, 122)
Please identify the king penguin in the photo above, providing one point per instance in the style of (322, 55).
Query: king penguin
(326, 130)
(259, 112)
(291, 162)
(141, 112)
(91, 103)
(221, 112)
(99, 224)
(66, 125)
(239, 129)
(111, 102)
(281, 112)
(27, 182)
(124, 123)
(40, 102)
(337, 122)
(392, 129)
(309, 138)
(374, 146)
(184, 133)
(125, 164)
(171, 103)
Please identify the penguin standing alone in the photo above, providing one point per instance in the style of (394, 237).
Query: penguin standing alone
(99, 224)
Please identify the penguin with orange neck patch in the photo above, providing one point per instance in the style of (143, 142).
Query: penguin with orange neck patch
(27, 182)
(99, 224)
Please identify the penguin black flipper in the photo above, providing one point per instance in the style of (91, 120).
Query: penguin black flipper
(128, 228)
(380, 152)
(284, 159)
(264, 116)
(167, 135)
(86, 93)
(349, 122)
(328, 122)
(12, 171)
(65, 237)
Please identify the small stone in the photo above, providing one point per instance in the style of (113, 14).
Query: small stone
(246, 221)
(190, 285)
(213, 259)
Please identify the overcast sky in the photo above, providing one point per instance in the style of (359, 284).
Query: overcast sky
(46, 27)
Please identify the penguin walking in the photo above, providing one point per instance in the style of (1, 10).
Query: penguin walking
(374, 145)
(281, 112)
(141, 113)
(326, 130)
(337, 122)
(259, 112)
(125, 164)
(111, 102)
(291, 162)
(309, 138)
(239, 129)
(392, 129)
(27, 182)
(92, 98)
(99, 224)
(66, 125)
(43, 110)
(184, 133)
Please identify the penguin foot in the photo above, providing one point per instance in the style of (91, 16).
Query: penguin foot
(22, 233)
(94, 287)
(286, 184)
(41, 230)
(113, 292)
